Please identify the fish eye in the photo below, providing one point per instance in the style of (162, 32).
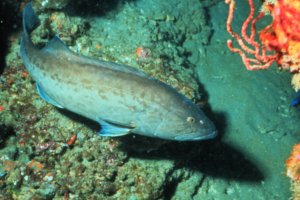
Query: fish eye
(190, 119)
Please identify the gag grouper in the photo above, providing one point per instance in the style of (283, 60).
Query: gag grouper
(120, 98)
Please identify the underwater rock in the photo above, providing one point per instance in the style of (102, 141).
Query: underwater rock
(3, 173)
(14, 179)
(9, 153)
(147, 183)
(50, 4)
(47, 191)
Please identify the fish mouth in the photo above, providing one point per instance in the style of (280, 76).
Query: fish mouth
(189, 137)
(206, 137)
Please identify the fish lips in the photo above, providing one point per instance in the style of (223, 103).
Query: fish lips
(191, 137)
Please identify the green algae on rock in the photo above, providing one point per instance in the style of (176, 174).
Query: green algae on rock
(50, 4)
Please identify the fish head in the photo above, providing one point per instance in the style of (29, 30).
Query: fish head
(186, 123)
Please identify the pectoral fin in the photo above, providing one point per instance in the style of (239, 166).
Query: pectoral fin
(113, 130)
(45, 96)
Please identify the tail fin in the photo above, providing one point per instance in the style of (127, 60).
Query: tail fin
(30, 20)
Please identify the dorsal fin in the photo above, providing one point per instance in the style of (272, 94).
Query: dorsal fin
(57, 45)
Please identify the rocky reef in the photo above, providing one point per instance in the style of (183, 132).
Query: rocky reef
(47, 153)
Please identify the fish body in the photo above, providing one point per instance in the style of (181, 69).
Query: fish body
(120, 98)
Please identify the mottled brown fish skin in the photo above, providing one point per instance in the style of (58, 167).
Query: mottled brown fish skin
(113, 93)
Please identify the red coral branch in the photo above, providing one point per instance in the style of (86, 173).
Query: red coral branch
(261, 59)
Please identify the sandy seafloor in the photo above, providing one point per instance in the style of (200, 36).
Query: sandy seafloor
(257, 127)
(258, 120)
